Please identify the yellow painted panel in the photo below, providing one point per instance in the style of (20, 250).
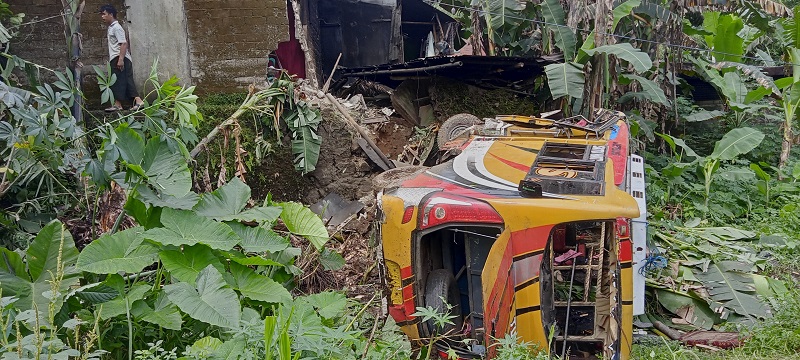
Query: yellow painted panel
(395, 236)
(627, 332)
(627, 284)
(492, 265)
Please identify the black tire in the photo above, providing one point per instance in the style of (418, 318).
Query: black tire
(441, 287)
(454, 127)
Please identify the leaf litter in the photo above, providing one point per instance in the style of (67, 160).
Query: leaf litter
(712, 275)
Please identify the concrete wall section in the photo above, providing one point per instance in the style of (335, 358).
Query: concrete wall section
(229, 41)
(157, 31)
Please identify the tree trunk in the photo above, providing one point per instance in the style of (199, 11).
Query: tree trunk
(786, 148)
(600, 62)
(72, 32)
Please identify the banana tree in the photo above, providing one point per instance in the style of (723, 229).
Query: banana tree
(567, 79)
(506, 24)
(789, 100)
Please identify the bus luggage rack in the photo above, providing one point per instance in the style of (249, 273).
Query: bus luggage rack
(604, 120)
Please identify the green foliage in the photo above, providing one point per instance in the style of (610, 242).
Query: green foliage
(211, 300)
(41, 146)
(194, 264)
(300, 220)
(124, 252)
(9, 22)
(105, 79)
(723, 37)
(554, 14)
(565, 79)
(511, 347)
(505, 24)
(48, 261)
(734, 144)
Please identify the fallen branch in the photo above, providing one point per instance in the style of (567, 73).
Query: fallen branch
(251, 99)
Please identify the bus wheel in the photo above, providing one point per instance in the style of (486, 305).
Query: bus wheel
(455, 127)
(441, 294)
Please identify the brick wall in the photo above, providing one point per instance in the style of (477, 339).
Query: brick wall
(42, 39)
(229, 40)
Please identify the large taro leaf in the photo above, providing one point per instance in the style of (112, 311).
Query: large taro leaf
(125, 251)
(43, 253)
(205, 346)
(229, 199)
(212, 301)
(150, 197)
(166, 170)
(183, 227)
(565, 80)
(163, 313)
(231, 349)
(122, 303)
(687, 308)
(258, 287)
(328, 304)
(186, 265)
(737, 142)
(732, 289)
(640, 60)
(32, 287)
(258, 239)
(554, 14)
(227, 203)
(300, 220)
(129, 144)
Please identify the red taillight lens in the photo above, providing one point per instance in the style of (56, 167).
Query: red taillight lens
(442, 209)
(409, 212)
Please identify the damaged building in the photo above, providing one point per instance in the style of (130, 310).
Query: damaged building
(224, 45)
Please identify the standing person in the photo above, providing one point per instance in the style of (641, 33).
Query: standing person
(120, 58)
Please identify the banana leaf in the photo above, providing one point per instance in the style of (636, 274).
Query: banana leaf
(686, 308)
(565, 79)
(566, 40)
(732, 290)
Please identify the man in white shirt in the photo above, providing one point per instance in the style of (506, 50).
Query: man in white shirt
(120, 58)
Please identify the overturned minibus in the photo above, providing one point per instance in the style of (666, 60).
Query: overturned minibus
(531, 229)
